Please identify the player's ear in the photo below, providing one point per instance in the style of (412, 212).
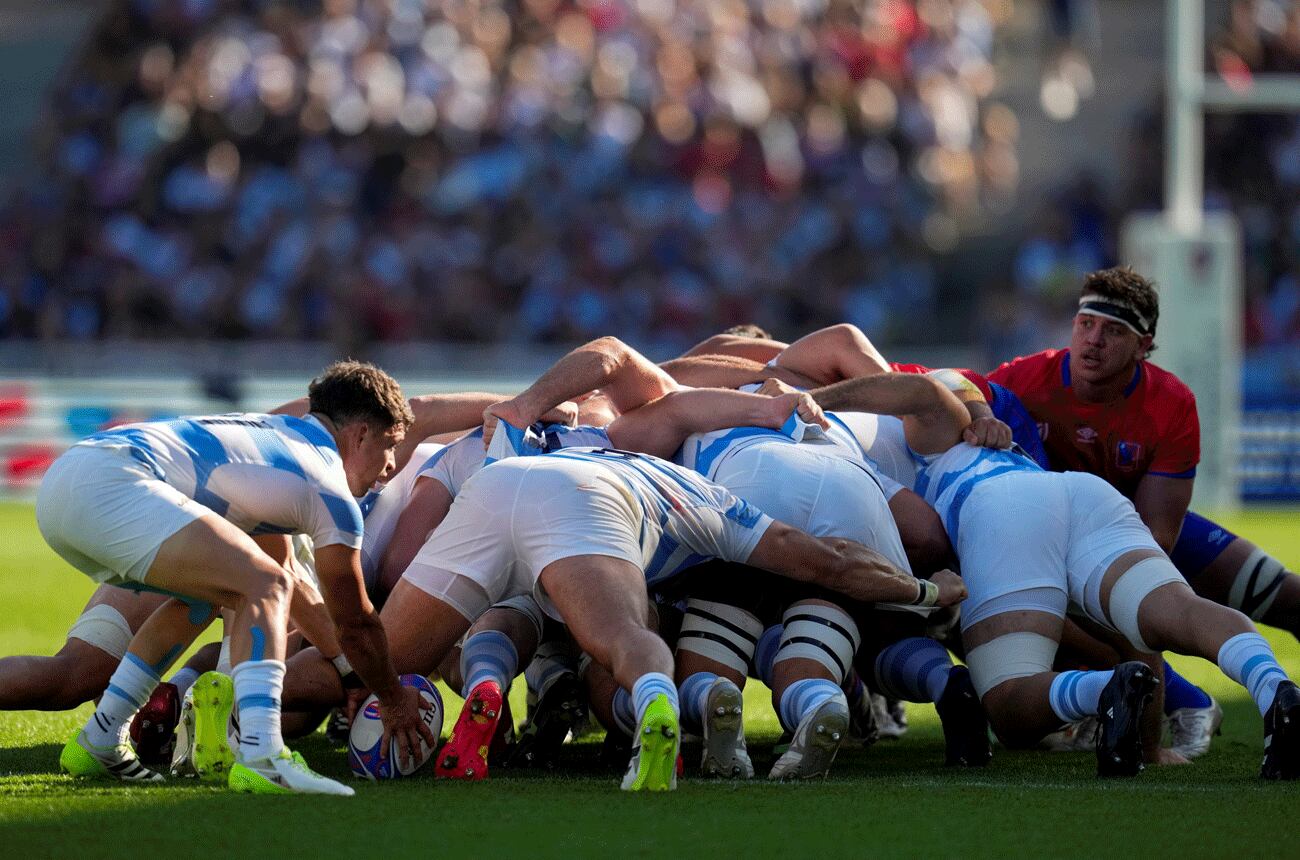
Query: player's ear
(1144, 345)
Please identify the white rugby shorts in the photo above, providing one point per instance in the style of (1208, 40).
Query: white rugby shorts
(1058, 530)
(106, 514)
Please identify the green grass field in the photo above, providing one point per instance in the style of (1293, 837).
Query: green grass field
(894, 799)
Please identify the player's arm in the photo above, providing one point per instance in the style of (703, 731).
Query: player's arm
(425, 510)
(1162, 503)
(660, 427)
(833, 354)
(933, 417)
(757, 349)
(850, 568)
(365, 645)
(626, 377)
(728, 371)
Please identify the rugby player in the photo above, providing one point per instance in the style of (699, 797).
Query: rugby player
(168, 506)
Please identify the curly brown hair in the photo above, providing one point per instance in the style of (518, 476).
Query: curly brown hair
(349, 391)
(748, 330)
(1126, 285)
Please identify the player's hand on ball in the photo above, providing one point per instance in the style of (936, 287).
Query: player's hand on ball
(988, 433)
(951, 588)
(402, 723)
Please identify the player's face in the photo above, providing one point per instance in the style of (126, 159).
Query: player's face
(1102, 349)
(369, 455)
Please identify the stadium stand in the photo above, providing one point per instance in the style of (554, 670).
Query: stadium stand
(287, 169)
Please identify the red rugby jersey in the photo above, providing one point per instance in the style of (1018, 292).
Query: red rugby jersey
(1152, 429)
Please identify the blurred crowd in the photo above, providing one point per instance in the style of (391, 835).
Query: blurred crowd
(486, 170)
(1252, 168)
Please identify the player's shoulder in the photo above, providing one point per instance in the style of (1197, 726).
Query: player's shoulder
(1166, 385)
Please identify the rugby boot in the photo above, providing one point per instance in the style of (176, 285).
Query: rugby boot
(153, 729)
(1192, 729)
(891, 717)
(337, 727)
(183, 749)
(862, 721)
(655, 755)
(965, 727)
(214, 699)
(816, 741)
(1078, 736)
(465, 755)
(284, 773)
(724, 753)
(562, 708)
(81, 758)
(1282, 734)
(1119, 741)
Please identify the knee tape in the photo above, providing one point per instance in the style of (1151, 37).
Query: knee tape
(105, 628)
(525, 605)
(1015, 655)
(1132, 588)
(721, 633)
(826, 634)
(1257, 585)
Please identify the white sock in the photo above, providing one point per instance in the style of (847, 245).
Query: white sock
(184, 679)
(259, 685)
(129, 688)
(1247, 659)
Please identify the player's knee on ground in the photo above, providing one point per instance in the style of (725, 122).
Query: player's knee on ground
(998, 670)
(718, 638)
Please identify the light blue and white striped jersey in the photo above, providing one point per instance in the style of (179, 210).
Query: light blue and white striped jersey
(685, 519)
(266, 474)
(383, 505)
(878, 440)
(462, 459)
(946, 480)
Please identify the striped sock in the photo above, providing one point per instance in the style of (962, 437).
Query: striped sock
(650, 686)
(488, 655)
(183, 680)
(803, 697)
(1181, 693)
(1074, 695)
(552, 660)
(765, 653)
(695, 692)
(914, 670)
(129, 688)
(1247, 659)
(258, 687)
(624, 713)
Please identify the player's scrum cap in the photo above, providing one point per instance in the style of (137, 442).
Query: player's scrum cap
(1119, 310)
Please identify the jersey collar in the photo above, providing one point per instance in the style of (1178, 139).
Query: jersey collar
(1128, 389)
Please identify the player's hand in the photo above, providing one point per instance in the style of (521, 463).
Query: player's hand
(404, 723)
(800, 403)
(1167, 756)
(508, 411)
(355, 697)
(988, 432)
(951, 588)
(773, 387)
(566, 413)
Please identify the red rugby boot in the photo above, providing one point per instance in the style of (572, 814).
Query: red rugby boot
(153, 730)
(465, 755)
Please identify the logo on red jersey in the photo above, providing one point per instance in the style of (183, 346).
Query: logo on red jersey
(1128, 455)
(1085, 435)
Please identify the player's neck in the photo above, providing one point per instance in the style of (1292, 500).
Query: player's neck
(328, 424)
(1106, 390)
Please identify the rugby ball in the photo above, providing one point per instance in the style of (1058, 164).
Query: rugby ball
(367, 735)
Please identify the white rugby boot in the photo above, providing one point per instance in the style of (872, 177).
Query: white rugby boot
(283, 773)
(1192, 729)
(183, 752)
(815, 742)
(725, 754)
(1078, 736)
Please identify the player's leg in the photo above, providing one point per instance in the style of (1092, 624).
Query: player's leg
(79, 672)
(921, 531)
(1147, 601)
(489, 661)
(604, 603)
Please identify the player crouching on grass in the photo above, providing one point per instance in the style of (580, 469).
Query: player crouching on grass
(169, 506)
